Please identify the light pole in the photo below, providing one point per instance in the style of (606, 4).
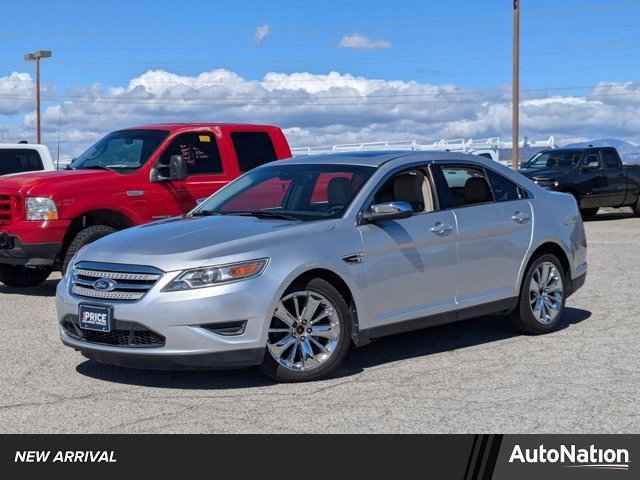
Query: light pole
(515, 118)
(35, 57)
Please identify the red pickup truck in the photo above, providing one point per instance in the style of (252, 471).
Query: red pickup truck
(130, 177)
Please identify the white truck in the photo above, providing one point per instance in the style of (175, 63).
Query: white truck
(24, 157)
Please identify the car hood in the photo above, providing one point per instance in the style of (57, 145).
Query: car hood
(544, 173)
(48, 183)
(181, 243)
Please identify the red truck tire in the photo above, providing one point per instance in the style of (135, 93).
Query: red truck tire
(84, 237)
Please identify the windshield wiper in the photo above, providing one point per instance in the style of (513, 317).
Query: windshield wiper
(96, 167)
(261, 214)
(204, 213)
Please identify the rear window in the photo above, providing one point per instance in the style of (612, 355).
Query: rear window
(19, 160)
(253, 149)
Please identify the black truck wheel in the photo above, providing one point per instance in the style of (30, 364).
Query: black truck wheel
(84, 237)
(18, 276)
(636, 208)
(589, 212)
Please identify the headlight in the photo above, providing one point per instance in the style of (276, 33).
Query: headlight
(556, 184)
(41, 208)
(210, 276)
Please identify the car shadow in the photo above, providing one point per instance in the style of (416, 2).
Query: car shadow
(396, 348)
(611, 215)
(46, 289)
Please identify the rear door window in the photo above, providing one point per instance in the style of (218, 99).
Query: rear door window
(461, 185)
(253, 149)
(504, 190)
(19, 160)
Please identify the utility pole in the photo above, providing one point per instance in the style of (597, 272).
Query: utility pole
(36, 57)
(515, 119)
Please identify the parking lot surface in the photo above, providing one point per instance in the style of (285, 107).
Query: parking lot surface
(473, 376)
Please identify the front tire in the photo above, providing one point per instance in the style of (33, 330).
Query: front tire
(542, 297)
(20, 277)
(636, 208)
(82, 238)
(309, 333)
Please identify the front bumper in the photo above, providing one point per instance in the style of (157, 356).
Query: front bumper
(14, 252)
(32, 244)
(185, 322)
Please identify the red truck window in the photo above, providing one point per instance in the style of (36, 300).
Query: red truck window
(268, 194)
(253, 149)
(320, 191)
(199, 150)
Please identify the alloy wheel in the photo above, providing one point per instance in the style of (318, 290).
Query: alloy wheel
(546, 293)
(304, 331)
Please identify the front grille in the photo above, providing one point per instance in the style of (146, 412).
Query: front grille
(123, 334)
(111, 281)
(5, 209)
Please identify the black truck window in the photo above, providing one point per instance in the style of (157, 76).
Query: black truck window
(253, 149)
(610, 159)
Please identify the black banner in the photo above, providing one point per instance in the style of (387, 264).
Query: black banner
(464, 457)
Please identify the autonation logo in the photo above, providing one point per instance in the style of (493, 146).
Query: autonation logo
(574, 457)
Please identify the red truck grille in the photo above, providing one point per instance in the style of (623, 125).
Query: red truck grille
(5, 209)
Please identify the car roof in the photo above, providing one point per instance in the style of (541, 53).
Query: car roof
(179, 126)
(378, 158)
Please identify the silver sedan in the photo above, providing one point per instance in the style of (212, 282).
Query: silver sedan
(297, 261)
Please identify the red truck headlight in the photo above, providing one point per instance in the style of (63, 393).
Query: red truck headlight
(41, 208)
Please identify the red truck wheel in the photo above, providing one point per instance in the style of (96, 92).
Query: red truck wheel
(17, 276)
(85, 237)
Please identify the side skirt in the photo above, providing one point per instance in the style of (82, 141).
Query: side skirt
(492, 308)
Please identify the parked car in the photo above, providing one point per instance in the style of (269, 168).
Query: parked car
(595, 176)
(24, 157)
(130, 177)
(290, 264)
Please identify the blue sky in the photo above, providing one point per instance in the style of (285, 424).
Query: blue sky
(565, 43)
(119, 63)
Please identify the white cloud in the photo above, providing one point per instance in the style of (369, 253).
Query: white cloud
(357, 41)
(262, 32)
(16, 93)
(321, 109)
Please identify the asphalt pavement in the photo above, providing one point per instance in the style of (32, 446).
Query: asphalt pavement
(474, 376)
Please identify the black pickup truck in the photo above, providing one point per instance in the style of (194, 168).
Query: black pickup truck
(595, 176)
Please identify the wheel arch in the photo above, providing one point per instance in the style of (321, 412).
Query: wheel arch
(341, 285)
(548, 247)
(110, 218)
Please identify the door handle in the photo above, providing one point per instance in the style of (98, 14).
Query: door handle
(520, 217)
(441, 229)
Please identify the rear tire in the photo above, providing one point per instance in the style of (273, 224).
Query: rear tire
(636, 208)
(294, 353)
(542, 297)
(589, 212)
(20, 277)
(82, 238)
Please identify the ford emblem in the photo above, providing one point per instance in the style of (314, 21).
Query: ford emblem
(105, 285)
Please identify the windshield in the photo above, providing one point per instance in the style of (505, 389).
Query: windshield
(292, 192)
(559, 160)
(125, 150)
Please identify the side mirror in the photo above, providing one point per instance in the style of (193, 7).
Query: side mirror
(176, 169)
(387, 211)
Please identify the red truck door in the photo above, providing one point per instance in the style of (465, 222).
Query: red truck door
(209, 167)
